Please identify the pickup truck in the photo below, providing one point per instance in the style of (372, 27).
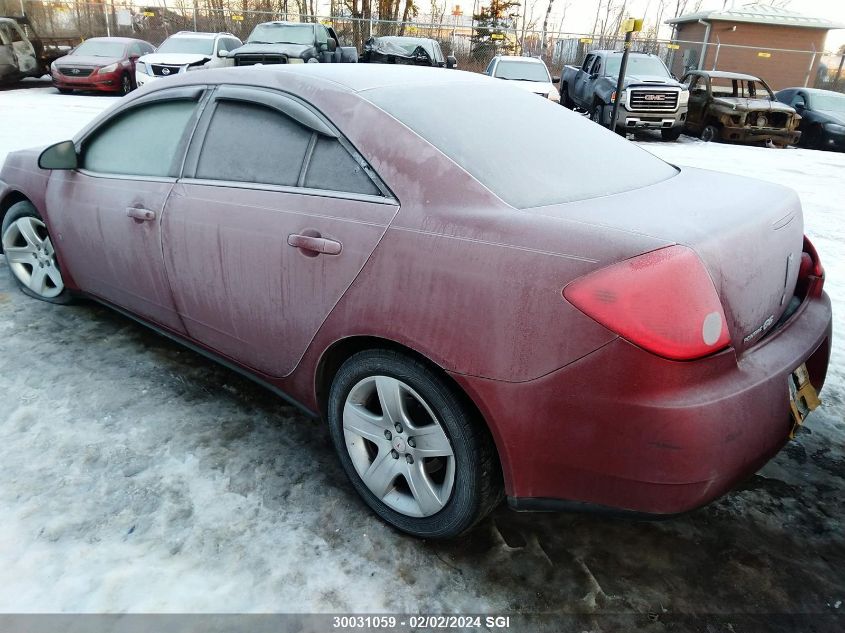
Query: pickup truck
(651, 98)
(291, 43)
(26, 55)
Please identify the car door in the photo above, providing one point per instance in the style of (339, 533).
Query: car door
(697, 101)
(583, 86)
(107, 213)
(273, 220)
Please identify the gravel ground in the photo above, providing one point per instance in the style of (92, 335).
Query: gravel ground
(137, 476)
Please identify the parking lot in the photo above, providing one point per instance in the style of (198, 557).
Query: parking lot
(138, 476)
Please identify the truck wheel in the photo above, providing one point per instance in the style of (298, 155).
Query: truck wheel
(597, 114)
(671, 134)
(710, 133)
(565, 100)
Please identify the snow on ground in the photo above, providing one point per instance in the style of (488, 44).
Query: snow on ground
(137, 476)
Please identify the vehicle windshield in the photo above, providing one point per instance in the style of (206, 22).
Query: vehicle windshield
(828, 102)
(522, 71)
(519, 163)
(282, 34)
(196, 45)
(407, 44)
(99, 48)
(744, 88)
(637, 65)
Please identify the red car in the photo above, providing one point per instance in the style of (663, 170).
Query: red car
(396, 250)
(105, 64)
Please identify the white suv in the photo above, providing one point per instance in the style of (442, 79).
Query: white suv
(184, 51)
(529, 73)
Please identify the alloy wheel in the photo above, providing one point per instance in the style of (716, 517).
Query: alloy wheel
(398, 447)
(30, 255)
(126, 85)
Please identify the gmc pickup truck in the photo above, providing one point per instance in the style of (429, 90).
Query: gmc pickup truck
(651, 98)
(291, 43)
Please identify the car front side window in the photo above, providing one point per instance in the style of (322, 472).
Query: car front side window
(147, 140)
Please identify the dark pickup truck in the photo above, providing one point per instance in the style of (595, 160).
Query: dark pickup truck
(292, 43)
(651, 98)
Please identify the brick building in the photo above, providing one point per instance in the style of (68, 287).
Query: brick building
(763, 29)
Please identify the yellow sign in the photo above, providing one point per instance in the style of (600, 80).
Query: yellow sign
(497, 36)
(762, 54)
(149, 14)
(673, 47)
(586, 40)
(633, 25)
(238, 18)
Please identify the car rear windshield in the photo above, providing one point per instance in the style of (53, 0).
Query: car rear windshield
(524, 71)
(637, 65)
(528, 151)
(194, 45)
(96, 48)
(282, 34)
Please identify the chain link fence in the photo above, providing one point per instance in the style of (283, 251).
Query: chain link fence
(472, 44)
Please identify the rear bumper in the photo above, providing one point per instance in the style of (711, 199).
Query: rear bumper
(624, 429)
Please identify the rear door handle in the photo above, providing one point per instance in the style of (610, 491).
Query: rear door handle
(141, 214)
(315, 244)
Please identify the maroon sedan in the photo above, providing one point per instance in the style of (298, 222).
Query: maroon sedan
(105, 64)
(396, 250)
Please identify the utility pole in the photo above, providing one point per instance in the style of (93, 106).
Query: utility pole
(631, 26)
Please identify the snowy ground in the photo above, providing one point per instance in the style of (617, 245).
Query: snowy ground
(136, 476)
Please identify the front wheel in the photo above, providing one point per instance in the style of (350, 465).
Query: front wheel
(125, 84)
(565, 99)
(710, 133)
(597, 114)
(411, 446)
(671, 134)
(29, 253)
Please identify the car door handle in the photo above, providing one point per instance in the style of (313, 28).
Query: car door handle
(315, 244)
(141, 214)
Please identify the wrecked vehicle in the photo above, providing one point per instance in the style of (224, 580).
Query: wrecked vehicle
(417, 51)
(726, 106)
(25, 55)
(184, 51)
(293, 43)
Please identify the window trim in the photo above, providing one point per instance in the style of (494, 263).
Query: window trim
(272, 98)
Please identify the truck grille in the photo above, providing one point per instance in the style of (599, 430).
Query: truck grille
(652, 100)
(252, 60)
(165, 70)
(75, 71)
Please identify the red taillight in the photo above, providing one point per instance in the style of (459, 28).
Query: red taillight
(811, 272)
(663, 301)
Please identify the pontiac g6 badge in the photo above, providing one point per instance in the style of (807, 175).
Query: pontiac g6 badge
(766, 325)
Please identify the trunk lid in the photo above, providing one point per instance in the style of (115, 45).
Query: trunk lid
(748, 233)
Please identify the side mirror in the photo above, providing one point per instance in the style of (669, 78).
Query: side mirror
(451, 61)
(59, 156)
(800, 107)
(223, 53)
(324, 47)
(133, 58)
(555, 80)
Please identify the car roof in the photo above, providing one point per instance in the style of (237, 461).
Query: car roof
(403, 38)
(608, 51)
(722, 74)
(520, 58)
(198, 34)
(122, 40)
(812, 90)
(351, 77)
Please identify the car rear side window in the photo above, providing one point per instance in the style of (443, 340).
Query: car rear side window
(145, 141)
(333, 168)
(252, 143)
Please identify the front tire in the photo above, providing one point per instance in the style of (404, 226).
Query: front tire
(29, 253)
(125, 84)
(410, 445)
(710, 133)
(671, 134)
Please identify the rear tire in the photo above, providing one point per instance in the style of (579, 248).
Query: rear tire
(411, 446)
(29, 253)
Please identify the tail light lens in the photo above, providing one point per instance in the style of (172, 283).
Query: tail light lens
(663, 301)
(811, 272)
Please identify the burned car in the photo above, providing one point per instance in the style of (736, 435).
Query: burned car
(739, 108)
(23, 53)
(416, 51)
